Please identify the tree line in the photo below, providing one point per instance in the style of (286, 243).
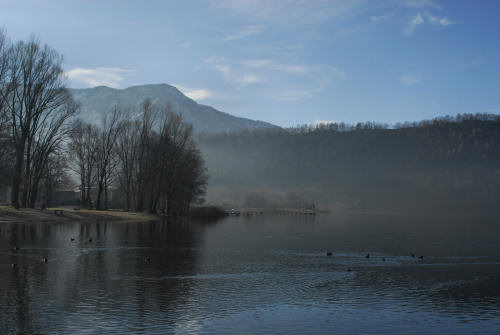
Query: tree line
(144, 155)
(444, 163)
(147, 153)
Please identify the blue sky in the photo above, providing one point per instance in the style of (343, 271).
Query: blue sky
(286, 62)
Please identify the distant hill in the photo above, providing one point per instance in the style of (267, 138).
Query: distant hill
(205, 119)
(446, 164)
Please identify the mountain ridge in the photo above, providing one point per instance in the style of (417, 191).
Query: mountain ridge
(96, 101)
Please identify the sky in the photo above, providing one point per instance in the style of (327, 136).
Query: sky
(288, 62)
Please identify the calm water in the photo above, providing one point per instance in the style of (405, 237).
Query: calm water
(267, 274)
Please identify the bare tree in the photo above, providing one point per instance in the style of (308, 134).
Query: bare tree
(4, 84)
(6, 149)
(160, 168)
(83, 146)
(48, 140)
(76, 151)
(36, 96)
(106, 155)
(127, 150)
(55, 175)
(142, 175)
(177, 138)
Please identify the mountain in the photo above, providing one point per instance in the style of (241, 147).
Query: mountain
(96, 101)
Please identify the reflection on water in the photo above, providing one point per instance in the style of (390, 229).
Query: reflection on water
(253, 275)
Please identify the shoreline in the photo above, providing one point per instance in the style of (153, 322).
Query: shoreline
(9, 214)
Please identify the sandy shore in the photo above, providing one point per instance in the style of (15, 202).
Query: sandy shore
(10, 214)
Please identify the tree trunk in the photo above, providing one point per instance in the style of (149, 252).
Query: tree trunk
(27, 174)
(82, 187)
(106, 207)
(88, 196)
(127, 194)
(98, 200)
(169, 206)
(140, 196)
(26, 185)
(24, 195)
(33, 195)
(16, 178)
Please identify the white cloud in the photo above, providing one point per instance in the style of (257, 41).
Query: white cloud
(245, 31)
(445, 22)
(278, 76)
(380, 18)
(199, 94)
(419, 20)
(107, 76)
(186, 44)
(195, 93)
(210, 60)
(439, 21)
(273, 65)
(272, 70)
(413, 24)
(224, 69)
(236, 77)
(410, 79)
(293, 68)
(249, 79)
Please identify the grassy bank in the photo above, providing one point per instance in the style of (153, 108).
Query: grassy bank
(10, 214)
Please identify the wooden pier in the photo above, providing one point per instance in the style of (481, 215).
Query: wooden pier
(277, 211)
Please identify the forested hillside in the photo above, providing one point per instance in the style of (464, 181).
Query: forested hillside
(450, 163)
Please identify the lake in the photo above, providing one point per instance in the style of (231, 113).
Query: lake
(253, 275)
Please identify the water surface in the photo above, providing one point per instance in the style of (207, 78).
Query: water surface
(254, 275)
